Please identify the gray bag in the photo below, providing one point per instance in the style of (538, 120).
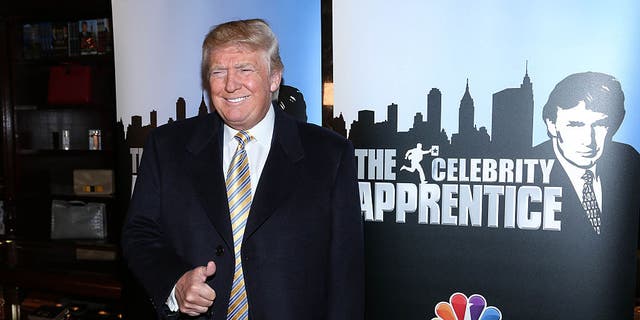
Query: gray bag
(78, 220)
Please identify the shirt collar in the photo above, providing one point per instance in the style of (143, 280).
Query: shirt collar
(261, 132)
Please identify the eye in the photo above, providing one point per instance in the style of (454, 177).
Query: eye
(245, 68)
(575, 124)
(217, 74)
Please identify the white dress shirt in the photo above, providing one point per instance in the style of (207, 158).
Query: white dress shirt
(257, 152)
(257, 149)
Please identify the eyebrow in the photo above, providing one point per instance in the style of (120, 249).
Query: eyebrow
(235, 66)
(243, 65)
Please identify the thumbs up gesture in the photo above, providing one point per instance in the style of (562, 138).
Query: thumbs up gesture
(193, 294)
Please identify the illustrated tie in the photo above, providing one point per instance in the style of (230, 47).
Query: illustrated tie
(239, 196)
(589, 201)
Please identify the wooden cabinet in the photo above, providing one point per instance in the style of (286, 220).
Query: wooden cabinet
(44, 141)
(35, 273)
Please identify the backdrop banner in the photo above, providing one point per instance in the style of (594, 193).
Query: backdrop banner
(496, 155)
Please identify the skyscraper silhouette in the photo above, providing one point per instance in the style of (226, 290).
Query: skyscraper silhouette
(202, 109)
(181, 109)
(392, 118)
(469, 140)
(512, 119)
(466, 113)
(434, 111)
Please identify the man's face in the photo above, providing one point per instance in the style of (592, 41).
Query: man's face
(241, 85)
(581, 134)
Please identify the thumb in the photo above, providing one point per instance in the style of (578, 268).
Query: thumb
(210, 269)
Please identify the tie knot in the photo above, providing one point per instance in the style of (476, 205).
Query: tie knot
(243, 137)
(588, 176)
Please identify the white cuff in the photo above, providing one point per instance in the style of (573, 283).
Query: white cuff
(172, 303)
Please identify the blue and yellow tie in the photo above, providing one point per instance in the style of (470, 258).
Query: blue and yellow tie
(239, 196)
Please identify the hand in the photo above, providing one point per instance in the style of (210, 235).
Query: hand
(193, 294)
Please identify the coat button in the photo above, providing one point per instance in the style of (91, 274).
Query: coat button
(219, 251)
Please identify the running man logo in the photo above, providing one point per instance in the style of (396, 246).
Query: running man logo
(415, 156)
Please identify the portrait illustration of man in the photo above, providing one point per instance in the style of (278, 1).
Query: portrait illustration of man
(582, 114)
(590, 262)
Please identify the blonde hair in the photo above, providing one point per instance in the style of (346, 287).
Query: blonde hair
(253, 33)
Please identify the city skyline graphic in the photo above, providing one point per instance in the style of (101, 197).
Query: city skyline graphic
(136, 133)
(512, 114)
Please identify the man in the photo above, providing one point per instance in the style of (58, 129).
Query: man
(599, 204)
(246, 213)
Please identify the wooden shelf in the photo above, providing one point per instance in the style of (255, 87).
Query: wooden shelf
(82, 197)
(81, 107)
(84, 268)
(73, 283)
(37, 10)
(94, 59)
(70, 153)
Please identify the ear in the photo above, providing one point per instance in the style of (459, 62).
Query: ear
(275, 78)
(551, 128)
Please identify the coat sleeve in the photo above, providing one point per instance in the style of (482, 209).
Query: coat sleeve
(146, 252)
(346, 291)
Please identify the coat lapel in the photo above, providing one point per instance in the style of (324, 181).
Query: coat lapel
(279, 175)
(207, 174)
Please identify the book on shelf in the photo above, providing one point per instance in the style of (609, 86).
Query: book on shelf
(70, 38)
(104, 36)
(60, 38)
(88, 37)
(37, 40)
(49, 312)
(74, 39)
(31, 41)
(46, 38)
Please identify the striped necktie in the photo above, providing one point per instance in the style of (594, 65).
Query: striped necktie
(239, 196)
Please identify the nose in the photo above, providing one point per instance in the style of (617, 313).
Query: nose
(588, 137)
(232, 82)
(592, 137)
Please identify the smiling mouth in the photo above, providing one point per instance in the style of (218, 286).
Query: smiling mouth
(236, 100)
(587, 154)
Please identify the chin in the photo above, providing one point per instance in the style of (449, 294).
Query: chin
(585, 164)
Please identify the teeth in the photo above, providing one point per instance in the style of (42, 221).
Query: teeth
(236, 99)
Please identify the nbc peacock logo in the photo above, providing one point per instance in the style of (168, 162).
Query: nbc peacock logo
(460, 307)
